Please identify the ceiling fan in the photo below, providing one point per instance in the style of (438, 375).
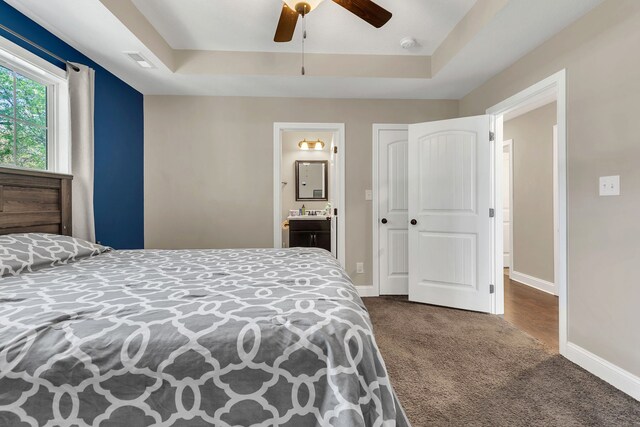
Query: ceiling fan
(292, 9)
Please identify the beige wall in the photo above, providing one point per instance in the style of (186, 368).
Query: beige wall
(532, 135)
(290, 153)
(600, 54)
(209, 166)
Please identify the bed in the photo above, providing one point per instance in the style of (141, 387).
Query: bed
(94, 336)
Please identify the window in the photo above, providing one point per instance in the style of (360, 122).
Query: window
(23, 121)
(34, 112)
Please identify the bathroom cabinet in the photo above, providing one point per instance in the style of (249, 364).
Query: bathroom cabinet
(310, 233)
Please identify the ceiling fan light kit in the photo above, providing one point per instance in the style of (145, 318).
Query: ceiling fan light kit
(292, 9)
(302, 7)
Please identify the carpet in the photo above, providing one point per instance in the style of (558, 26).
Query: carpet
(454, 368)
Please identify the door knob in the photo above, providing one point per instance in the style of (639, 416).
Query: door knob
(414, 222)
(384, 220)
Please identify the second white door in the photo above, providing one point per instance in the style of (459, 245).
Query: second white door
(393, 190)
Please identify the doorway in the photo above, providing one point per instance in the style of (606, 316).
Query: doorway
(517, 289)
(528, 154)
(286, 160)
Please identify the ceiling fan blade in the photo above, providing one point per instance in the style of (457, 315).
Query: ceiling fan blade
(367, 10)
(286, 24)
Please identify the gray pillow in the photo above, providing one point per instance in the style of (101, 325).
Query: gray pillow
(20, 253)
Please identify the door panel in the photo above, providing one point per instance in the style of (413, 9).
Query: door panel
(449, 199)
(447, 173)
(449, 259)
(397, 185)
(398, 261)
(393, 188)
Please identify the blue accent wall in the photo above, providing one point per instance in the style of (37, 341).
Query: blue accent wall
(119, 138)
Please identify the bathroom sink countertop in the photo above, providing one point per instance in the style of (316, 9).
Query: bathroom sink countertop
(308, 217)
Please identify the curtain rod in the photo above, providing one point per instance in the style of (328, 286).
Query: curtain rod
(40, 48)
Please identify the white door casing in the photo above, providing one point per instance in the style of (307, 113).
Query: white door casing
(392, 207)
(450, 255)
(337, 196)
(507, 178)
(333, 186)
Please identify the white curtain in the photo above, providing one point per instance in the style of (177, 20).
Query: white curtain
(81, 91)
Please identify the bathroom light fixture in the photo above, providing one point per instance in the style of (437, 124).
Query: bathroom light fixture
(311, 145)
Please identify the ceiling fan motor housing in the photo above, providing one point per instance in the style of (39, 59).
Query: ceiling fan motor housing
(303, 7)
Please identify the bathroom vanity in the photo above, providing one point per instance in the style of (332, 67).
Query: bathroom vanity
(310, 232)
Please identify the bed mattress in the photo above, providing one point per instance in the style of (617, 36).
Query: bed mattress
(257, 337)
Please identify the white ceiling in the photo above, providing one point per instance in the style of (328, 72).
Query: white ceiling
(249, 25)
(518, 28)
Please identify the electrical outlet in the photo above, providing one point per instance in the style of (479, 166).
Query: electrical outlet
(368, 195)
(360, 267)
(610, 185)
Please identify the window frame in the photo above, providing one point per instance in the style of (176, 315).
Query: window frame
(39, 70)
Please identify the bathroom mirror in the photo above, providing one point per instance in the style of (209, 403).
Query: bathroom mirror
(311, 180)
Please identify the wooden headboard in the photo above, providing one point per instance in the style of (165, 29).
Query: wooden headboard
(34, 202)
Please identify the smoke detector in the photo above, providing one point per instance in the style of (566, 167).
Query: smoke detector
(408, 43)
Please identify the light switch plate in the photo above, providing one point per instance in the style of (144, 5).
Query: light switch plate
(610, 185)
(368, 195)
(359, 267)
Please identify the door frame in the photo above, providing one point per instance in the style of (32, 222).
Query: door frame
(554, 84)
(339, 142)
(375, 196)
(509, 143)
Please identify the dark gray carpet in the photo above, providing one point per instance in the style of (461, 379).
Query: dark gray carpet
(455, 368)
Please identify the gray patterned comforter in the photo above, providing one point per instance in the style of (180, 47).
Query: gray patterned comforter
(259, 337)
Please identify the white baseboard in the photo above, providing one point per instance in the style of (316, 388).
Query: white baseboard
(614, 375)
(367, 291)
(506, 260)
(534, 282)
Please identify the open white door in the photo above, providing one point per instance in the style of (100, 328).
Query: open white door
(450, 225)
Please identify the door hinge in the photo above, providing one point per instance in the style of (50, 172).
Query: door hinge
(335, 149)
(492, 212)
(492, 136)
(492, 289)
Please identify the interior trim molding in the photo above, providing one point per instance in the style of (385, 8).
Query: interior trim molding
(288, 64)
(367, 291)
(534, 282)
(616, 376)
(508, 257)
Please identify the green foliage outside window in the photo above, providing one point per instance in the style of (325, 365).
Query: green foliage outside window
(23, 121)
